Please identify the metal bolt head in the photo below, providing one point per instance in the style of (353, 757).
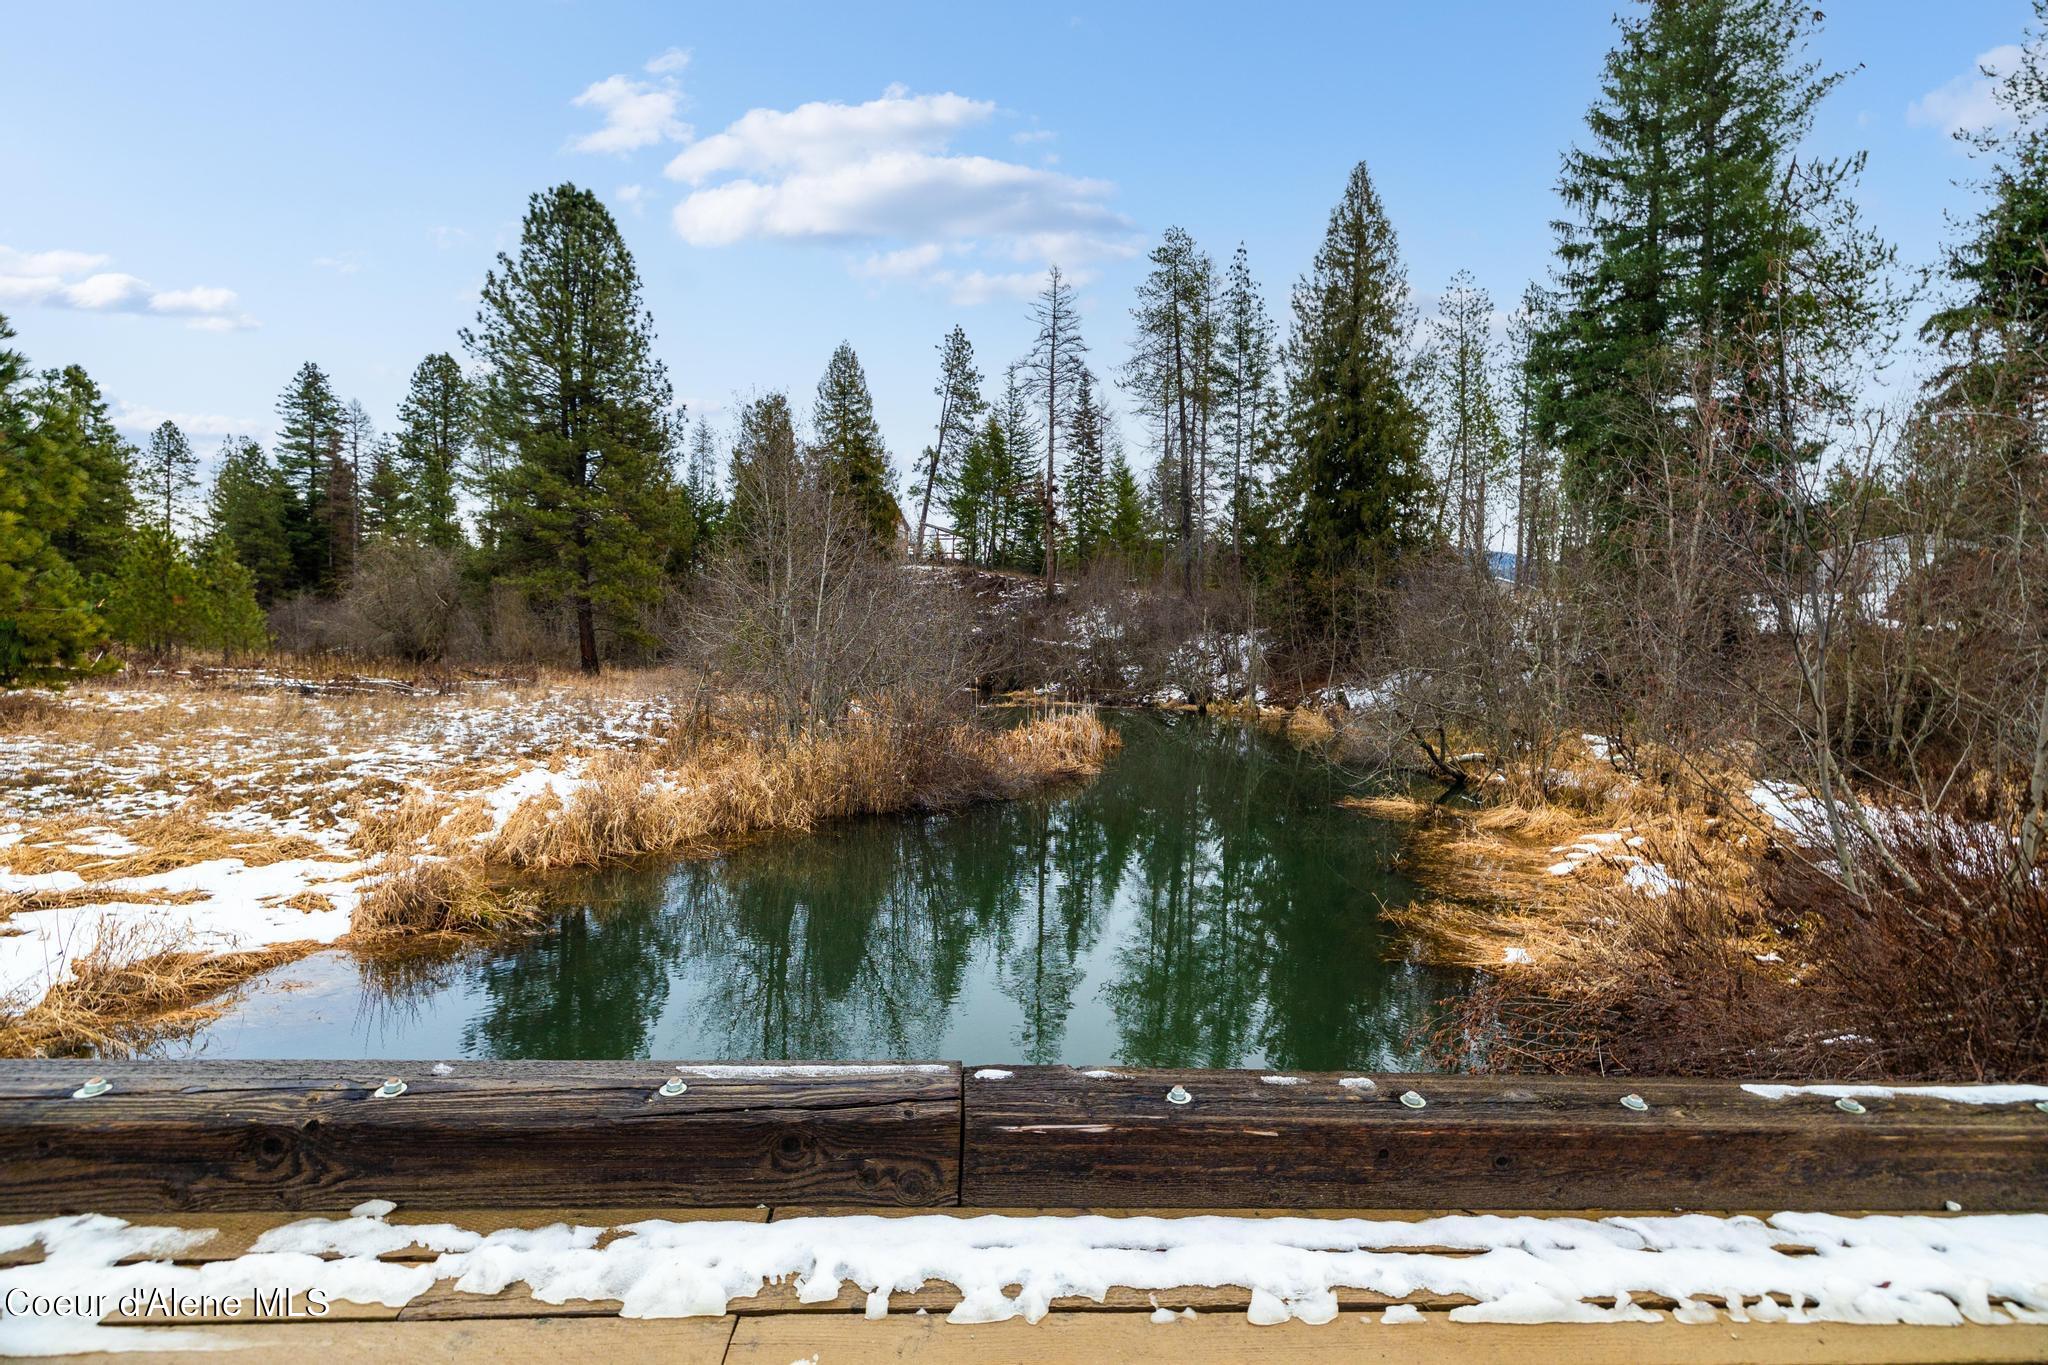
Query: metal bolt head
(1849, 1106)
(391, 1089)
(1412, 1100)
(92, 1089)
(673, 1087)
(2041, 1105)
(1635, 1102)
(1178, 1096)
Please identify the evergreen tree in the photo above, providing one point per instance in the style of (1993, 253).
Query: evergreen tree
(226, 615)
(975, 495)
(1086, 485)
(960, 404)
(1357, 476)
(1056, 368)
(1472, 449)
(1171, 375)
(1018, 509)
(764, 456)
(1127, 510)
(1700, 242)
(702, 483)
(1993, 327)
(1126, 531)
(573, 395)
(436, 422)
(849, 443)
(1247, 402)
(247, 512)
(342, 512)
(385, 497)
(92, 543)
(170, 471)
(153, 601)
(309, 438)
(46, 625)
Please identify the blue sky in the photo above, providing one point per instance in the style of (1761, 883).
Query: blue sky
(196, 198)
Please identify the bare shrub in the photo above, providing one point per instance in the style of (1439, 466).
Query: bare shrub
(404, 601)
(1792, 976)
(804, 611)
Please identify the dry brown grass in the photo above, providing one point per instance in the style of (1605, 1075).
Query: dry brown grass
(725, 791)
(166, 842)
(129, 991)
(440, 897)
(1496, 900)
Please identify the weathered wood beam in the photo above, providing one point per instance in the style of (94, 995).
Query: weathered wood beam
(1053, 1135)
(316, 1135)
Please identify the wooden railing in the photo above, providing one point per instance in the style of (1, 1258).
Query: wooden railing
(160, 1136)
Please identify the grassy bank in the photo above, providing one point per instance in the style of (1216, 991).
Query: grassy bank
(1629, 921)
(164, 839)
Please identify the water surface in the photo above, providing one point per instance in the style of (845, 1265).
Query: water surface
(1203, 903)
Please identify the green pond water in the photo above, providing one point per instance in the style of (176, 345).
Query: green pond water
(1203, 903)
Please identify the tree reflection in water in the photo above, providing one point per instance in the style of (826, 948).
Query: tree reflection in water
(1203, 903)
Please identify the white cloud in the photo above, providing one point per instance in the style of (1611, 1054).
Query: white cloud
(1969, 101)
(109, 290)
(202, 300)
(885, 173)
(824, 134)
(144, 418)
(903, 195)
(43, 277)
(632, 196)
(636, 114)
(905, 263)
(669, 62)
(49, 262)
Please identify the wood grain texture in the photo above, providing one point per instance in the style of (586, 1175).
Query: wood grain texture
(200, 1136)
(1055, 1136)
(503, 1341)
(1090, 1338)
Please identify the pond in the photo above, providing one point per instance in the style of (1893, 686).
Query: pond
(1203, 903)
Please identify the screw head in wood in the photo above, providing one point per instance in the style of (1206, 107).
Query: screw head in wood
(1412, 1100)
(1849, 1106)
(672, 1087)
(391, 1089)
(2041, 1105)
(1635, 1102)
(92, 1089)
(1178, 1096)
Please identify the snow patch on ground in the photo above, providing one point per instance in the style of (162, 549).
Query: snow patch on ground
(1876, 1269)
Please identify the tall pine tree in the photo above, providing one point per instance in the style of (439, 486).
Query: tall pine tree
(47, 626)
(1086, 480)
(574, 396)
(247, 511)
(1358, 485)
(170, 471)
(1704, 256)
(68, 400)
(436, 421)
(309, 440)
(1247, 403)
(960, 405)
(849, 443)
(1056, 367)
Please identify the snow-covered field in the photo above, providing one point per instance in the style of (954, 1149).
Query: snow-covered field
(221, 817)
(1793, 1267)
